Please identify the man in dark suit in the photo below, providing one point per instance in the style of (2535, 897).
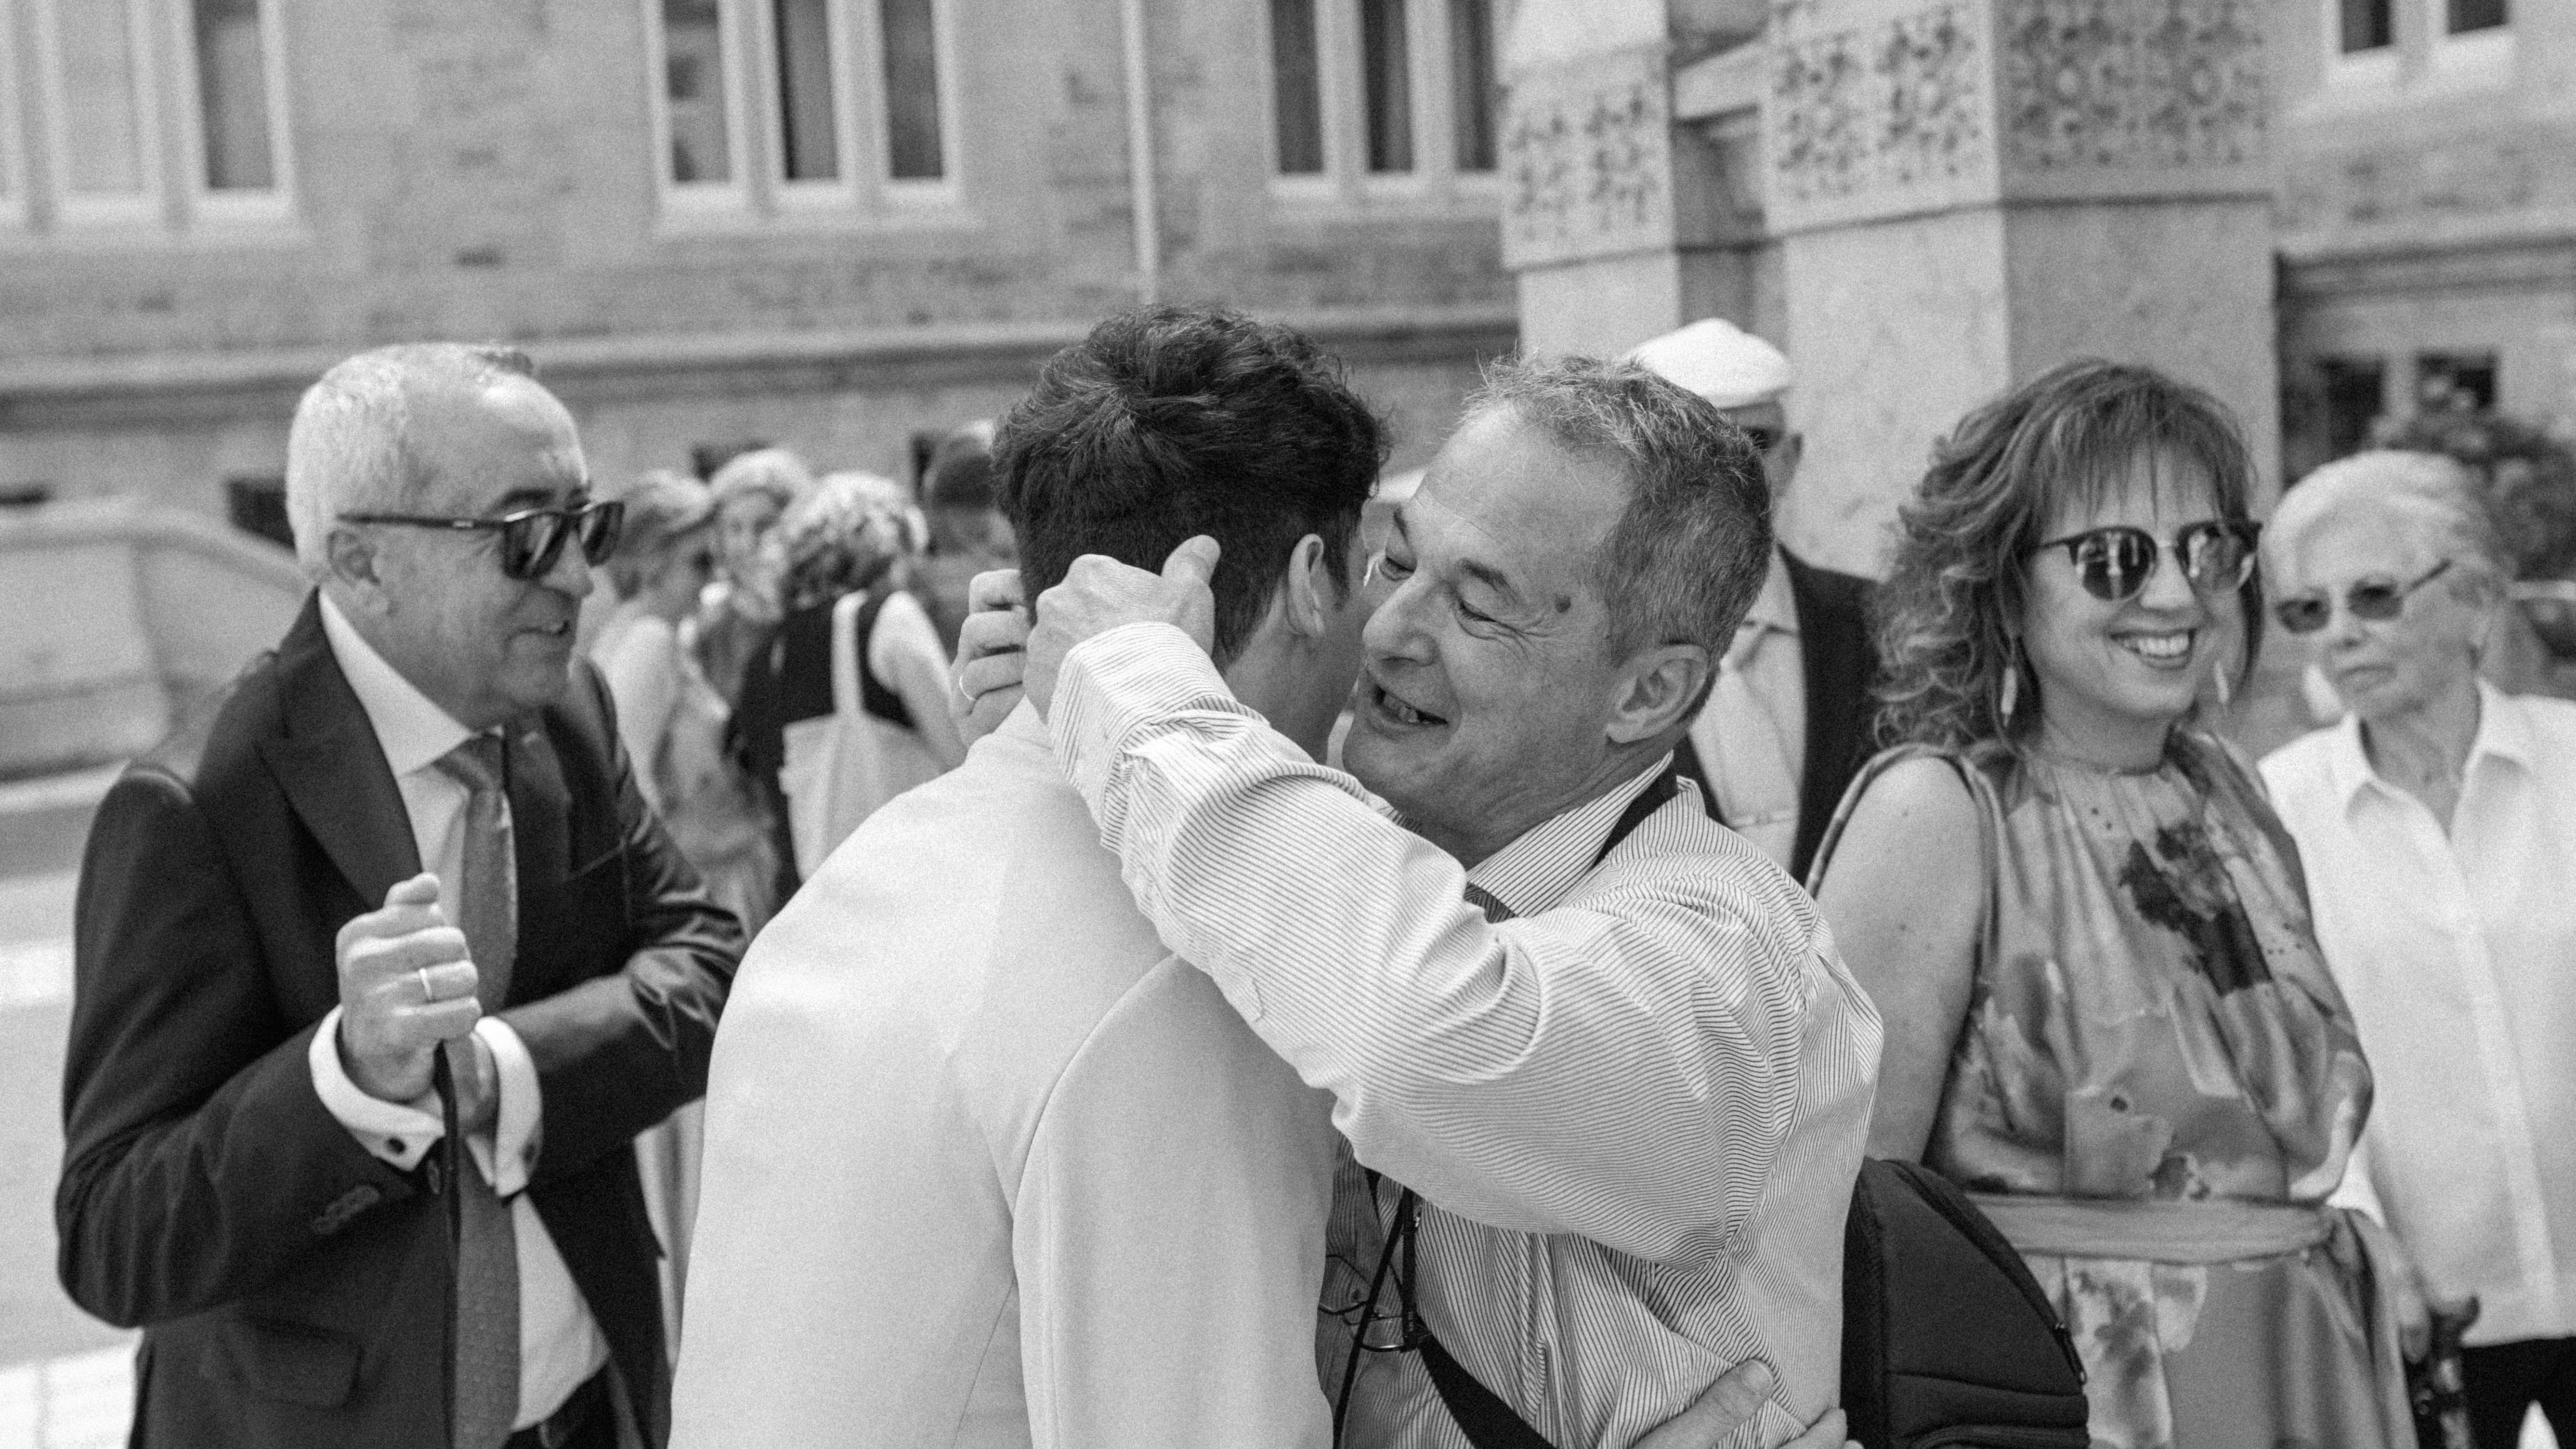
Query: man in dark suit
(1787, 722)
(383, 963)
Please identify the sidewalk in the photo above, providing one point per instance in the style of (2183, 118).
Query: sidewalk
(66, 1379)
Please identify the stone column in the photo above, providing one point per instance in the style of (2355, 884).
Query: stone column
(1619, 222)
(1971, 191)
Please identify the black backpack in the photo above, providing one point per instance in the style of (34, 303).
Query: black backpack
(1948, 1342)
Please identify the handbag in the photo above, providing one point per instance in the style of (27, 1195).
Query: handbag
(840, 767)
(1947, 1338)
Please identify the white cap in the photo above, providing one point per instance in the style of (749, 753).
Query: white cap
(1720, 361)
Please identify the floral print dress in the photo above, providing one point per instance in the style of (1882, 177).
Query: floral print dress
(2151, 1021)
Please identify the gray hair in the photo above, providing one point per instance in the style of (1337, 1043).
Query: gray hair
(837, 539)
(1689, 552)
(773, 473)
(348, 448)
(2423, 496)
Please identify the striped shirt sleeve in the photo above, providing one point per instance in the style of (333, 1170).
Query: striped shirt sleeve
(1624, 1067)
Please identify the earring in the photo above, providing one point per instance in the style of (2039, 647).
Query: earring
(2011, 693)
(2226, 683)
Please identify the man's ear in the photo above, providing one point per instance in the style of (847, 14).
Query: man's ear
(354, 567)
(1308, 588)
(1656, 691)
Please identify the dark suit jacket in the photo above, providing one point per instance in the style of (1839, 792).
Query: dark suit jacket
(292, 1287)
(1841, 667)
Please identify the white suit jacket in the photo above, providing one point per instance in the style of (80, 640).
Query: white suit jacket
(987, 1165)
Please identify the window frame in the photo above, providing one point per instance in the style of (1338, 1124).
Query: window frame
(759, 195)
(837, 192)
(17, 186)
(911, 192)
(2363, 71)
(149, 206)
(1342, 92)
(1332, 147)
(270, 206)
(2471, 59)
(701, 198)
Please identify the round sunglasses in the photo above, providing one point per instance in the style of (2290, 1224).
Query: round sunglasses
(2374, 599)
(531, 538)
(2115, 563)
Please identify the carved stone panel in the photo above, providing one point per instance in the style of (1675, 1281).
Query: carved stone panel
(1879, 108)
(1587, 159)
(1889, 115)
(2131, 85)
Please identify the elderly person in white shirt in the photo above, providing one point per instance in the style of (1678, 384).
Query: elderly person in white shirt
(2437, 823)
(1603, 1078)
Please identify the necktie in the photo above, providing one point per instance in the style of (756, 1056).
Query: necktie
(487, 1250)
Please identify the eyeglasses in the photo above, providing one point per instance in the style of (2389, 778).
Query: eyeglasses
(2115, 563)
(1763, 439)
(532, 538)
(2372, 599)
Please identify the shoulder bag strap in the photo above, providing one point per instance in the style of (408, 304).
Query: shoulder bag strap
(846, 699)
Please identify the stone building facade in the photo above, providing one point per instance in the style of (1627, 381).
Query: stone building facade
(833, 224)
(2426, 211)
(842, 224)
(2323, 210)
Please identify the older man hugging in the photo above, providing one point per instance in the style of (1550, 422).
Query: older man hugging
(1602, 1076)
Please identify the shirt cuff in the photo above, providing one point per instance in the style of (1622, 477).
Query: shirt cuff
(1112, 683)
(397, 1133)
(509, 1154)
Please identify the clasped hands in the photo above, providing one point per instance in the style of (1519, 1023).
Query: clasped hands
(407, 987)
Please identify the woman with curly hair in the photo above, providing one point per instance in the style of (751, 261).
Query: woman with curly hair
(2086, 931)
(845, 706)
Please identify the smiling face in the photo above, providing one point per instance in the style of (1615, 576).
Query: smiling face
(2114, 677)
(1488, 685)
(2382, 668)
(485, 647)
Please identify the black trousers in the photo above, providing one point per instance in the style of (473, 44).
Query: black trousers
(2506, 1379)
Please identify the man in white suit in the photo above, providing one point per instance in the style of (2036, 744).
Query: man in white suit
(985, 1164)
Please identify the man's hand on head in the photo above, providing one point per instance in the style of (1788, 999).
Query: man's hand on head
(1100, 594)
(992, 655)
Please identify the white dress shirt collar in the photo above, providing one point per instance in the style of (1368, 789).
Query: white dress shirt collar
(1536, 870)
(1776, 607)
(413, 730)
(2503, 733)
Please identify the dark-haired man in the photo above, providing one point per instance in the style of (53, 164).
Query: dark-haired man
(984, 1164)
(1604, 1080)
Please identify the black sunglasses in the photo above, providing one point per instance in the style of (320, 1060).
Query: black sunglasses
(2114, 563)
(532, 538)
(2371, 599)
(1763, 439)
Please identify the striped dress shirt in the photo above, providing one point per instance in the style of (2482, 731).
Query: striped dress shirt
(1633, 1113)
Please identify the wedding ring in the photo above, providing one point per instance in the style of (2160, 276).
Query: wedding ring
(426, 994)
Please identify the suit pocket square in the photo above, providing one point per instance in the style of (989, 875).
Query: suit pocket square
(286, 1361)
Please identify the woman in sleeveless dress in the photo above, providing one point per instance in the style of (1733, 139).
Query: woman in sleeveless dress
(844, 706)
(672, 722)
(2087, 934)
